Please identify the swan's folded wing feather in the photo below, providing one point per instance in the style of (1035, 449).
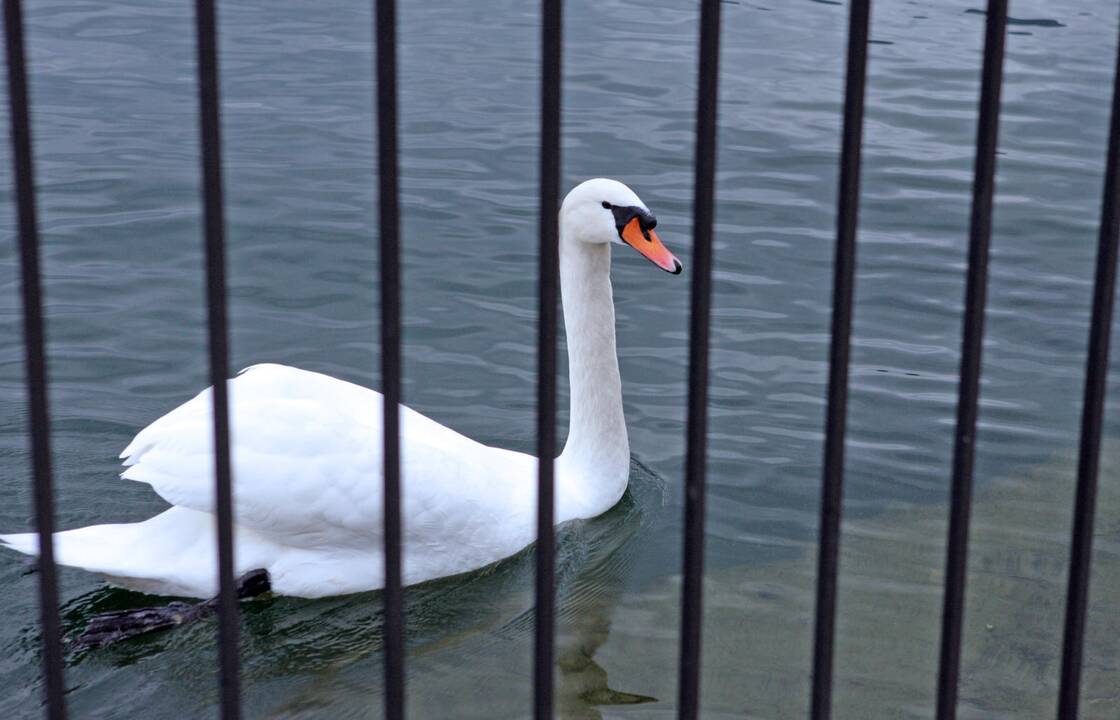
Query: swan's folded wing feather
(319, 478)
(307, 461)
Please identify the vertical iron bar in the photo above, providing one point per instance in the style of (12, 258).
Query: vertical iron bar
(832, 490)
(964, 442)
(544, 627)
(35, 357)
(703, 216)
(389, 220)
(214, 224)
(1092, 412)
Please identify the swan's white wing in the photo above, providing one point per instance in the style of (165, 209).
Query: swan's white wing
(307, 461)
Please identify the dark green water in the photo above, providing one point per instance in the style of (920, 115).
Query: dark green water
(114, 112)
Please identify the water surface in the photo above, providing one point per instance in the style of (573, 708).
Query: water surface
(114, 113)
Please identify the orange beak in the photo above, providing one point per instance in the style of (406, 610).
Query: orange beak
(647, 243)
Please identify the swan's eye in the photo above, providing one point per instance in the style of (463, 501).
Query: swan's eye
(607, 205)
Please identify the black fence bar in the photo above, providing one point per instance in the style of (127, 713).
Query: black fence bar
(389, 228)
(1092, 412)
(214, 227)
(35, 357)
(968, 390)
(843, 285)
(545, 621)
(703, 217)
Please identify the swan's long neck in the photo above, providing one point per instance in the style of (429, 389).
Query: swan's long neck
(593, 469)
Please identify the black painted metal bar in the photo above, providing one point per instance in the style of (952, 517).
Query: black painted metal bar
(1092, 414)
(843, 286)
(968, 391)
(703, 218)
(35, 356)
(214, 230)
(545, 621)
(389, 228)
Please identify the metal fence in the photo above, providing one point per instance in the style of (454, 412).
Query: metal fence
(703, 211)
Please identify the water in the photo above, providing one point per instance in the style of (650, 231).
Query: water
(114, 117)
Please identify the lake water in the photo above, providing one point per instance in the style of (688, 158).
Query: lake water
(114, 113)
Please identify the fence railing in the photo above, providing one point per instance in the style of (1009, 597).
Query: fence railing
(1092, 418)
(385, 31)
(214, 237)
(843, 288)
(703, 217)
(694, 482)
(35, 355)
(976, 283)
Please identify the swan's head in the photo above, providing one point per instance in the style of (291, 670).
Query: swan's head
(601, 211)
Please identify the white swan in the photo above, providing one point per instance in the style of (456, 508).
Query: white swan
(307, 465)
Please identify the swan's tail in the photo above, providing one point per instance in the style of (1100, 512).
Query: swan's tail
(169, 554)
(26, 543)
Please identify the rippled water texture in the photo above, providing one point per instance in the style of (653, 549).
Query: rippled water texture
(114, 112)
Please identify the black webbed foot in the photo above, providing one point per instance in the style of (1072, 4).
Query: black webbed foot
(253, 583)
(108, 628)
(111, 627)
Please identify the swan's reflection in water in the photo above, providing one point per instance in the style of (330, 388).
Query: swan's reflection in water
(469, 638)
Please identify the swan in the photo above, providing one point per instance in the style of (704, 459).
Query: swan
(307, 461)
